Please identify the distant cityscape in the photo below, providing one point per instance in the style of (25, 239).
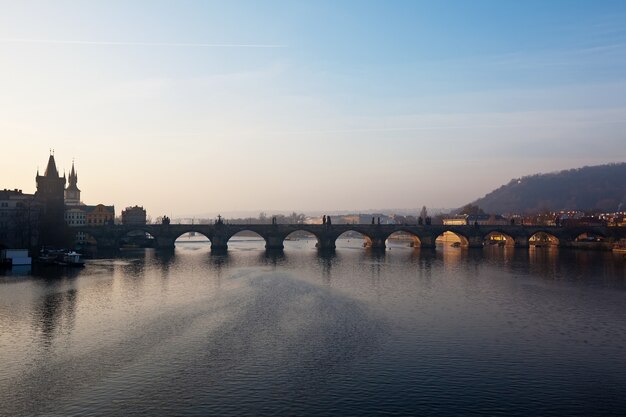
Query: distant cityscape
(48, 217)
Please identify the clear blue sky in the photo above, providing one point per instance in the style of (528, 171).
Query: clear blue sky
(192, 107)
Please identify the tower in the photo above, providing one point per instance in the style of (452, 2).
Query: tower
(50, 193)
(72, 193)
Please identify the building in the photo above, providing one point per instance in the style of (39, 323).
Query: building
(616, 219)
(51, 190)
(79, 214)
(99, 215)
(19, 219)
(583, 221)
(476, 219)
(84, 215)
(50, 195)
(72, 193)
(458, 220)
(367, 218)
(75, 210)
(76, 216)
(134, 215)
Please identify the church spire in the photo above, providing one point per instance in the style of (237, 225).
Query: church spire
(72, 193)
(73, 178)
(51, 169)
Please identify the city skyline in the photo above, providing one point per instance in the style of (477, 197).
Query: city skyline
(198, 108)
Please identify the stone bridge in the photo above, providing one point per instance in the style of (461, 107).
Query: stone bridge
(375, 235)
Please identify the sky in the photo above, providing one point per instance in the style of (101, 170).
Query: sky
(193, 108)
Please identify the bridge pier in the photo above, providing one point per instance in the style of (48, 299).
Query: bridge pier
(219, 243)
(428, 242)
(475, 242)
(377, 243)
(165, 242)
(565, 243)
(274, 242)
(107, 243)
(521, 242)
(326, 243)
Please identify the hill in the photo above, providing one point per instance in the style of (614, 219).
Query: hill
(601, 187)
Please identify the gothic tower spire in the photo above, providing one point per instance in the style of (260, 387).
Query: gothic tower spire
(72, 193)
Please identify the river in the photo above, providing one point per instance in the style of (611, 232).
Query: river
(452, 331)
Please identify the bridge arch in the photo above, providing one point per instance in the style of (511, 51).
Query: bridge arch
(542, 238)
(302, 235)
(136, 237)
(248, 237)
(354, 234)
(191, 235)
(409, 237)
(452, 237)
(498, 238)
(588, 236)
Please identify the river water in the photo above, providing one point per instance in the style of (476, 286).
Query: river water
(451, 331)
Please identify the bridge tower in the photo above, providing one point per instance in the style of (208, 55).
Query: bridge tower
(50, 193)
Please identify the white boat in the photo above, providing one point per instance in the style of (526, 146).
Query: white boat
(72, 259)
(60, 258)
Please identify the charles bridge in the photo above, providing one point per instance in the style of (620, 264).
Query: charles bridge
(375, 235)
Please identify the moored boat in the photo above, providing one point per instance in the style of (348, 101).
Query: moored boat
(60, 257)
(620, 246)
(72, 258)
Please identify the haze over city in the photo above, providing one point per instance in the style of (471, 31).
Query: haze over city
(189, 107)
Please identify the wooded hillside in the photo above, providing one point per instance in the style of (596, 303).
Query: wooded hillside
(601, 187)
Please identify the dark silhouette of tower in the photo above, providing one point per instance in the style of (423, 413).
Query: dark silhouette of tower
(50, 194)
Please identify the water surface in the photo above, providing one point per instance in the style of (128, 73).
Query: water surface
(497, 331)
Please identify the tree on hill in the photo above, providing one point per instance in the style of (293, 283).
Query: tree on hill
(471, 209)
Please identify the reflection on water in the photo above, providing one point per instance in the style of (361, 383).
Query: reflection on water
(451, 331)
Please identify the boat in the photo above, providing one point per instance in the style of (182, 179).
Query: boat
(48, 256)
(60, 257)
(72, 258)
(620, 246)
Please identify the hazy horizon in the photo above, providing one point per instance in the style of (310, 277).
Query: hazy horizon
(221, 107)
